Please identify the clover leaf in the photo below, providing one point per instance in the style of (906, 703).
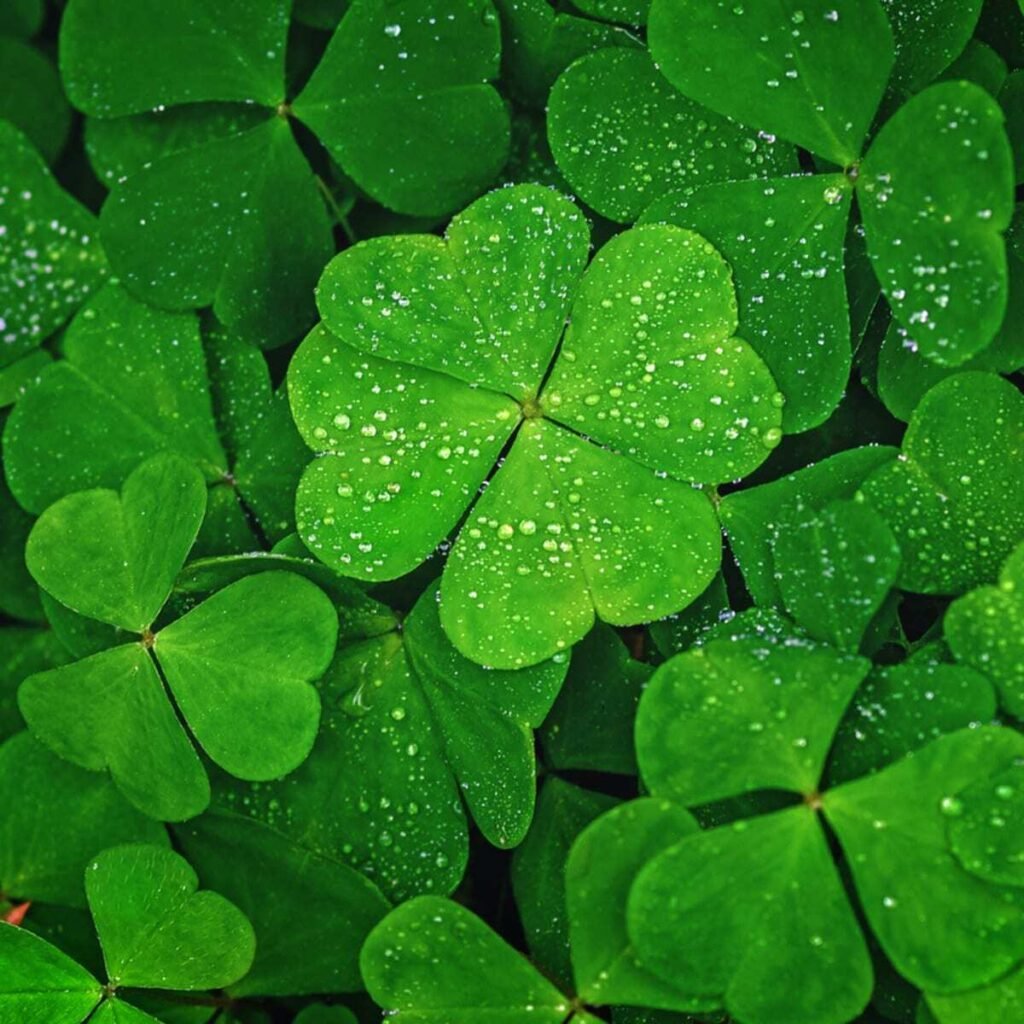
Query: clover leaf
(919, 221)
(707, 913)
(819, 73)
(32, 98)
(39, 861)
(237, 219)
(414, 965)
(409, 726)
(783, 238)
(238, 665)
(956, 472)
(835, 570)
(50, 261)
(631, 405)
(624, 137)
(155, 929)
(983, 630)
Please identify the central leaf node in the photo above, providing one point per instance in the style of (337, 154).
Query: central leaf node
(532, 409)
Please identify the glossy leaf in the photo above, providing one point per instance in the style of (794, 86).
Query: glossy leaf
(820, 69)
(937, 249)
(623, 137)
(834, 571)
(957, 470)
(414, 966)
(423, 68)
(32, 97)
(784, 239)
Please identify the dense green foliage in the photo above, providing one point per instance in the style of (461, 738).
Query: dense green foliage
(511, 512)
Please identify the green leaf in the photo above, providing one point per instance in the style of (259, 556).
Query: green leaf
(978, 834)
(397, 433)
(954, 498)
(320, 1013)
(32, 98)
(57, 817)
(114, 557)
(19, 595)
(538, 872)
(124, 57)
(936, 247)
(269, 877)
(623, 137)
(22, 374)
(51, 261)
(776, 700)
(157, 930)
(1002, 1000)
(892, 828)
(21, 18)
(754, 915)
(415, 966)
(784, 239)
(834, 571)
(590, 726)
(236, 223)
(900, 708)
(1011, 99)
(810, 71)
(485, 305)
(927, 41)
(241, 665)
(133, 382)
(696, 402)
(485, 719)
(39, 984)
(111, 711)
(23, 651)
(599, 873)
(422, 69)
(114, 1011)
(985, 629)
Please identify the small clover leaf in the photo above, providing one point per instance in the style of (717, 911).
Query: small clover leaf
(157, 930)
(599, 874)
(623, 137)
(50, 261)
(39, 859)
(811, 72)
(31, 97)
(784, 239)
(754, 518)
(732, 891)
(415, 965)
(985, 630)
(409, 724)
(558, 533)
(238, 665)
(316, 951)
(958, 472)
(835, 570)
(936, 248)
(114, 557)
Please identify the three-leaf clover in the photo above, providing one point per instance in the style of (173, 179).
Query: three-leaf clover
(156, 932)
(234, 217)
(238, 666)
(753, 914)
(445, 364)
